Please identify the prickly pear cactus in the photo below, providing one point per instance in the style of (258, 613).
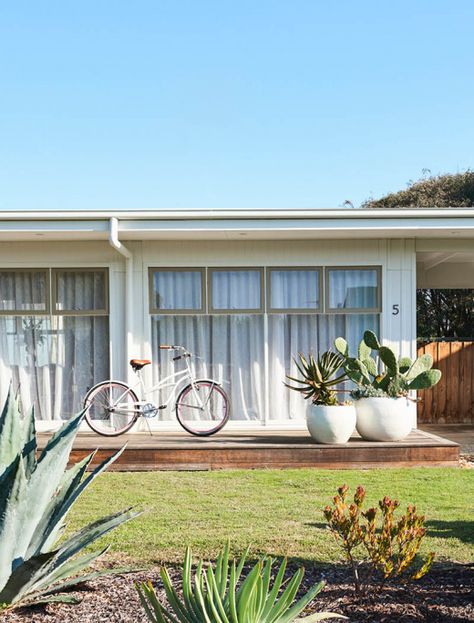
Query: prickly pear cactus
(385, 375)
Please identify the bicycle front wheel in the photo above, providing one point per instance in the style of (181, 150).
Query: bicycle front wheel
(111, 408)
(202, 408)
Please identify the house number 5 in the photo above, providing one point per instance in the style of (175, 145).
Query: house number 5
(395, 310)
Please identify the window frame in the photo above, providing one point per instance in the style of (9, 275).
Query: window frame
(30, 312)
(353, 310)
(91, 312)
(154, 311)
(256, 310)
(294, 310)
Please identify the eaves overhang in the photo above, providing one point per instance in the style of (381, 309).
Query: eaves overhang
(234, 224)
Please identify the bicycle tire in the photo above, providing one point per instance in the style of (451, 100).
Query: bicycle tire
(93, 393)
(214, 387)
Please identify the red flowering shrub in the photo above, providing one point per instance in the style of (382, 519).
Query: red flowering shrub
(375, 541)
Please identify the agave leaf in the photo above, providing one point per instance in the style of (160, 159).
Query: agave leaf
(230, 602)
(213, 598)
(198, 591)
(301, 604)
(47, 524)
(145, 599)
(29, 443)
(173, 597)
(20, 522)
(222, 584)
(94, 531)
(87, 577)
(13, 509)
(62, 435)
(321, 616)
(52, 599)
(287, 597)
(52, 573)
(23, 577)
(275, 590)
(11, 434)
(76, 489)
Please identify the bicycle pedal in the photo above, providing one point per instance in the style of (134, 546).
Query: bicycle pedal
(161, 407)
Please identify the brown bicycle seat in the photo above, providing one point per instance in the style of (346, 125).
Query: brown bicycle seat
(138, 364)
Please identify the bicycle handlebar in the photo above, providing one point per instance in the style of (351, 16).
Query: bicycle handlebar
(169, 347)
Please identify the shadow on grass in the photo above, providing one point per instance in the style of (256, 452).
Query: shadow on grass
(462, 530)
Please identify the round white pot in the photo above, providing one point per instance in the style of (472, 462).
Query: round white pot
(331, 424)
(384, 419)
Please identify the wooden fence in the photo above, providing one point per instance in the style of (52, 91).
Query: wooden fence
(452, 399)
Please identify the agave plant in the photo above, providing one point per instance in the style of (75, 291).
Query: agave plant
(319, 377)
(217, 595)
(35, 496)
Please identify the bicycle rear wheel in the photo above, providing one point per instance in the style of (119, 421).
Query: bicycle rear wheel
(202, 408)
(111, 408)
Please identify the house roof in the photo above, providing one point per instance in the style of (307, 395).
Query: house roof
(235, 224)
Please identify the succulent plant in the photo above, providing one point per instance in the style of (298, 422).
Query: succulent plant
(319, 377)
(398, 376)
(35, 496)
(218, 595)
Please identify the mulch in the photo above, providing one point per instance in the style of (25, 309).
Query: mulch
(445, 595)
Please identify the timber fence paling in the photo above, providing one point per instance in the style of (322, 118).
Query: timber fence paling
(452, 399)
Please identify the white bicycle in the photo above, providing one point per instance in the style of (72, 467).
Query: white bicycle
(201, 405)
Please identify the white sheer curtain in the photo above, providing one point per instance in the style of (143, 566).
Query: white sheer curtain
(230, 349)
(230, 346)
(177, 289)
(294, 289)
(353, 289)
(236, 289)
(290, 334)
(52, 360)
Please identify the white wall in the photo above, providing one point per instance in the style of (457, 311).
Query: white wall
(396, 257)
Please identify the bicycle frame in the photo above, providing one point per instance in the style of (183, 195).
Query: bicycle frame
(176, 381)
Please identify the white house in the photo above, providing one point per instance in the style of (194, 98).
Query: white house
(81, 293)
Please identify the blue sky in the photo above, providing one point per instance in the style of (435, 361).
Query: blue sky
(219, 103)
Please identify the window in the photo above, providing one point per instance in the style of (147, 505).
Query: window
(179, 290)
(352, 289)
(54, 337)
(235, 290)
(293, 289)
(24, 291)
(219, 314)
(80, 292)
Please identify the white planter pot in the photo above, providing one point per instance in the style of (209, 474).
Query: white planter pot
(331, 424)
(384, 419)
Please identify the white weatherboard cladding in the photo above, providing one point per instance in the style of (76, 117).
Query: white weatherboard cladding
(396, 257)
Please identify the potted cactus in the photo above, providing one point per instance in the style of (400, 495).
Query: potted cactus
(327, 419)
(383, 402)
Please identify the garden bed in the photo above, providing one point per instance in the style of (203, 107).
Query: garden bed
(445, 595)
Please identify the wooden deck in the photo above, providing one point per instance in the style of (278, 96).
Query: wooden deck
(261, 449)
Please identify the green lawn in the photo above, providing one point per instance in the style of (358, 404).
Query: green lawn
(277, 512)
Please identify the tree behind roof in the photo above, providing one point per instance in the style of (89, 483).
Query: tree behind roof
(437, 191)
(441, 313)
